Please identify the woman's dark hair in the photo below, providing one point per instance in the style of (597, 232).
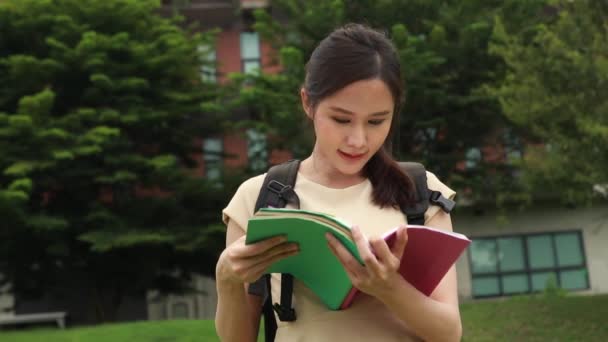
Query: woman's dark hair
(354, 53)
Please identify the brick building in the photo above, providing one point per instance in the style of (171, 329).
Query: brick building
(238, 49)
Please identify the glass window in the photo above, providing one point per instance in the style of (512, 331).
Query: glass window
(569, 251)
(574, 279)
(208, 68)
(483, 256)
(251, 67)
(250, 45)
(513, 146)
(540, 249)
(511, 257)
(256, 150)
(212, 156)
(540, 280)
(473, 157)
(515, 283)
(527, 263)
(486, 286)
(250, 52)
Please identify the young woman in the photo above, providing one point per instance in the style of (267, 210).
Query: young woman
(352, 95)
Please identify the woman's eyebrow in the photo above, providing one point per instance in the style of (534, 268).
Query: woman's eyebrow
(345, 111)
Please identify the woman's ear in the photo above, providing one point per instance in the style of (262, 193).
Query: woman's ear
(305, 106)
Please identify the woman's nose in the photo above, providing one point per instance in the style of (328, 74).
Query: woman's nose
(356, 138)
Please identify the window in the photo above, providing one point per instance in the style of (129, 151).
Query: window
(180, 311)
(250, 52)
(179, 307)
(513, 146)
(527, 263)
(472, 157)
(256, 150)
(208, 69)
(212, 156)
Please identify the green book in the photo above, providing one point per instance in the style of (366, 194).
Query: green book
(428, 255)
(315, 265)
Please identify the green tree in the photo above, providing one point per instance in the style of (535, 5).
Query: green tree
(555, 89)
(443, 48)
(100, 104)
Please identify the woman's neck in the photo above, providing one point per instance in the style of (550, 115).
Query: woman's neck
(318, 170)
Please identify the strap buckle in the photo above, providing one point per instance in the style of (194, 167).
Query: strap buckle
(285, 314)
(285, 192)
(278, 187)
(446, 204)
(416, 219)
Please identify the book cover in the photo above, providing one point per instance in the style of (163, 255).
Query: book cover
(427, 257)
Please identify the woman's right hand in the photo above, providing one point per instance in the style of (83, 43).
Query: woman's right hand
(241, 263)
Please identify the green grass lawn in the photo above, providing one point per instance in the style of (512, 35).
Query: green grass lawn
(161, 331)
(580, 318)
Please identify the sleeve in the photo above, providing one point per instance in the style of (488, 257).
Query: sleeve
(435, 184)
(242, 204)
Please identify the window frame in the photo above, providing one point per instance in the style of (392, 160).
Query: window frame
(527, 270)
(257, 150)
(210, 159)
(208, 69)
(247, 59)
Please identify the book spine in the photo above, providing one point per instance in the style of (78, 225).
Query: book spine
(350, 297)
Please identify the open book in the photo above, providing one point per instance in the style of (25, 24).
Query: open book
(428, 255)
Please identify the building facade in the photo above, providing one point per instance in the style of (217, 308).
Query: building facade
(526, 251)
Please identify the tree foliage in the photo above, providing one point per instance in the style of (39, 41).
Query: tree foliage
(555, 89)
(100, 104)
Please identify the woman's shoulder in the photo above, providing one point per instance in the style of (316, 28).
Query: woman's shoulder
(249, 190)
(242, 204)
(433, 183)
(252, 184)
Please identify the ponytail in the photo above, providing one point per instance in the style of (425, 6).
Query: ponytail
(391, 186)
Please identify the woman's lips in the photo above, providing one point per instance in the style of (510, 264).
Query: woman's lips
(351, 157)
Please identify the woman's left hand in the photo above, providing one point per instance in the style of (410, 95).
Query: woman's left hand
(379, 274)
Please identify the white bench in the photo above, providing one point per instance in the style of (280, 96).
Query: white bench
(57, 317)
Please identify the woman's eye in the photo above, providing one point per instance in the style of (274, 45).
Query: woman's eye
(341, 121)
(376, 122)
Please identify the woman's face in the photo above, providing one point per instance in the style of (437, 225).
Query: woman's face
(351, 125)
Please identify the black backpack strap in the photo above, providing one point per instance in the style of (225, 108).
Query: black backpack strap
(277, 191)
(284, 309)
(424, 196)
(270, 322)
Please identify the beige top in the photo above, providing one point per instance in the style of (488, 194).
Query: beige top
(367, 319)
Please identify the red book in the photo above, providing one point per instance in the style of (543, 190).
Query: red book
(427, 257)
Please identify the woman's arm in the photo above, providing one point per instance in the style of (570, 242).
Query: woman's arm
(434, 318)
(235, 307)
(237, 317)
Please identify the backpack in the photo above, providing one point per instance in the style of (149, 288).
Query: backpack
(278, 190)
